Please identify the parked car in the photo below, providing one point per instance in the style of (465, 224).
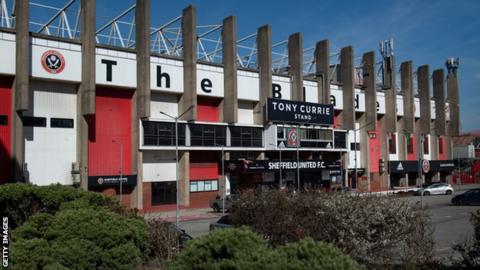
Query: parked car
(469, 197)
(217, 204)
(435, 189)
(223, 223)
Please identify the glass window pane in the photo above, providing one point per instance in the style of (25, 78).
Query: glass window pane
(214, 185)
(201, 186)
(193, 187)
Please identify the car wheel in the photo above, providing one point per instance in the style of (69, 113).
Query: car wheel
(216, 208)
(426, 193)
(449, 192)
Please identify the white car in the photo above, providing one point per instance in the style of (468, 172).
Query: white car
(439, 188)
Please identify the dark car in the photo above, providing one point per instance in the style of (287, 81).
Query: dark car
(223, 223)
(470, 197)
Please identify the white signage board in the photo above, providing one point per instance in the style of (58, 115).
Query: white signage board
(56, 60)
(166, 75)
(116, 68)
(210, 81)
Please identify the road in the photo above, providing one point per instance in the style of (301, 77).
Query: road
(451, 223)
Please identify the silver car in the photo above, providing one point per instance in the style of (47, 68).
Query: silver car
(435, 189)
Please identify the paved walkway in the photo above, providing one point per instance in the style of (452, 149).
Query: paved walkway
(185, 214)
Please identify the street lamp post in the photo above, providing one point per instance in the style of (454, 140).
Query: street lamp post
(121, 170)
(224, 193)
(177, 213)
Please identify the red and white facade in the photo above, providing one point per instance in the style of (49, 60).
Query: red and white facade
(142, 150)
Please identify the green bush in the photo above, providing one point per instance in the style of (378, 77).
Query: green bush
(240, 248)
(308, 254)
(223, 249)
(79, 239)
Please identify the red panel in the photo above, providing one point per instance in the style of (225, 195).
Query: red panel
(203, 171)
(5, 130)
(207, 110)
(374, 150)
(442, 155)
(413, 155)
(108, 128)
(336, 119)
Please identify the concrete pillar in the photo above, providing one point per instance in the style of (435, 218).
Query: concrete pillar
(322, 67)
(22, 60)
(184, 177)
(453, 102)
(406, 74)
(295, 61)
(21, 86)
(189, 38)
(142, 45)
(86, 92)
(369, 82)
(229, 59)
(264, 62)
(423, 81)
(433, 142)
(439, 97)
(141, 98)
(390, 94)
(346, 78)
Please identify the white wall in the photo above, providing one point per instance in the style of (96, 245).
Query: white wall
(352, 153)
(245, 112)
(311, 91)
(7, 52)
(380, 102)
(248, 85)
(399, 105)
(49, 152)
(432, 110)
(159, 166)
(417, 107)
(167, 103)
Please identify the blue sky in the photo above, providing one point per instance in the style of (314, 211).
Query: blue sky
(426, 32)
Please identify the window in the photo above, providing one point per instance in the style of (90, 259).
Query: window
(409, 145)
(280, 133)
(208, 135)
(316, 134)
(392, 143)
(163, 193)
(3, 120)
(425, 145)
(355, 146)
(203, 185)
(340, 139)
(440, 145)
(61, 123)
(30, 121)
(246, 136)
(162, 133)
